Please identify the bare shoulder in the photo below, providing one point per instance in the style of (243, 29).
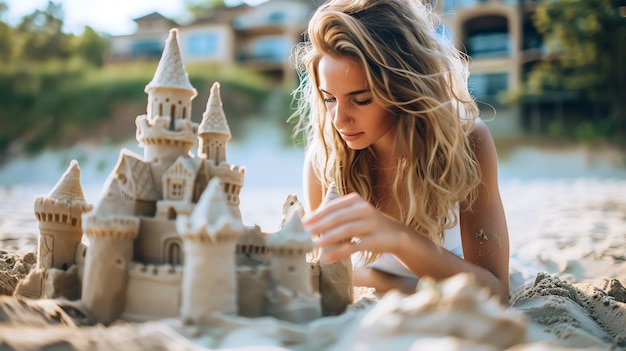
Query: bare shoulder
(312, 184)
(482, 142)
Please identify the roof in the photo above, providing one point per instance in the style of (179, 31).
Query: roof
(153, 16)
(171, 72)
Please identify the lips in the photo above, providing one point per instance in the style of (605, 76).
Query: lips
(350, 136)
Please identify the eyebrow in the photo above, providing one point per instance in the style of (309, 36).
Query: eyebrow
(353, 93)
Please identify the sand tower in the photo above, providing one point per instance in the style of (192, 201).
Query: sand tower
(111, 234)
(213, 135)
(166, 131)
(209, 238)
(336, 278)
(213, 132)
(59, 216)
(292, 297)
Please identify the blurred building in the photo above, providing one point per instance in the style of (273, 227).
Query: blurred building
(498, 35)
(503, 44)
(259, 37)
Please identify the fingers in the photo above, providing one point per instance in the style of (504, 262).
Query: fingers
(341, 220)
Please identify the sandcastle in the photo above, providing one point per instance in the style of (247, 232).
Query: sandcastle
(166, 238)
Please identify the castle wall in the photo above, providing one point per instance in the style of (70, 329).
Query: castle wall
(105, 277)
(209, 280)
(252, 284)
(153, 292)
(150, 242)
(292, 272)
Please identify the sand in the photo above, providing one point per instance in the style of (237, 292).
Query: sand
(568, 271)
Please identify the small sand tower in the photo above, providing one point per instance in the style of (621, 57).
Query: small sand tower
(209, 235)
(111, 233)
(213, 132)
(336, 278)
(291, 297)
(59, 216)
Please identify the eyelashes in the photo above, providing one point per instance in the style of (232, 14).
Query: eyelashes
(359, 103)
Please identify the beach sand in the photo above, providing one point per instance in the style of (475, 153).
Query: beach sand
(568, 271)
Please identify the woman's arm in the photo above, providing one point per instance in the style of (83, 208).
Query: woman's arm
(484, 230)
(352, 217)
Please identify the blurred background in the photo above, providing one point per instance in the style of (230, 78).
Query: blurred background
(549, 76)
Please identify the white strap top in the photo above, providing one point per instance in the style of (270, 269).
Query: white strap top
(390, 264)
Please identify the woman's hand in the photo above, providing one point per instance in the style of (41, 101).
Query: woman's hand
(350, 224)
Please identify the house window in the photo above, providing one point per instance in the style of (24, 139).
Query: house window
(277, 17)
(276, 49)
(146, 48)
(488, 44)
(487, 86)
(202, 44)
(176, 190)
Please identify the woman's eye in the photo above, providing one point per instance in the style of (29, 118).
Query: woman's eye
(363, 103)
(328, 100)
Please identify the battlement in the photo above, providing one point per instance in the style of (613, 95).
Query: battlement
(57, 211)
(227, 173)
(288, 251)
(251, 249)
(116, 226)
(153, 292)
(162, 131)
(224, 235)
(165, 274)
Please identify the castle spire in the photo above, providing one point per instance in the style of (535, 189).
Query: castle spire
(213, 132)
(213, 118)
(68, 189)
(171, 72)
(211, 217)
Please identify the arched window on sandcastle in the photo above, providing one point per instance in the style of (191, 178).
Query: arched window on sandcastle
(172, 251)
(171, 213)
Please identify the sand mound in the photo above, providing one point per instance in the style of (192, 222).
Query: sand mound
(574, 315)
(14, 267)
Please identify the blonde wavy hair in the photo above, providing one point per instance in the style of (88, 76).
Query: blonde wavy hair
(417, 74)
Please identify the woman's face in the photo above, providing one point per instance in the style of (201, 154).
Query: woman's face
(358, 118)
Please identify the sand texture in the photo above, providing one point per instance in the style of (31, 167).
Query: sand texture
(568, 271)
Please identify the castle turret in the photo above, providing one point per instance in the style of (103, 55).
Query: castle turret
(111, 233)
(292, 297)
(166, 131)
(213, 132)
(209, 238)
(59, 216)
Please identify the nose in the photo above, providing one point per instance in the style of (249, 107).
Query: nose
(341, 115)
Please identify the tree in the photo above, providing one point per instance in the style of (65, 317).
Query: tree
(42, 35)
(91, 47)
(586, 54)
(200, 8)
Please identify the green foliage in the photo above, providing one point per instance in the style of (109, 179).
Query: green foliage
(91, 46)
(57, 103)
(585, 54)
(200, 8)
(41, 35)
(54, 88)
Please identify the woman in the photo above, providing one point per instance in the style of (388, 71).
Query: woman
(384, 103)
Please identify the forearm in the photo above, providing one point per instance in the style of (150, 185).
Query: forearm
(424, 258)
